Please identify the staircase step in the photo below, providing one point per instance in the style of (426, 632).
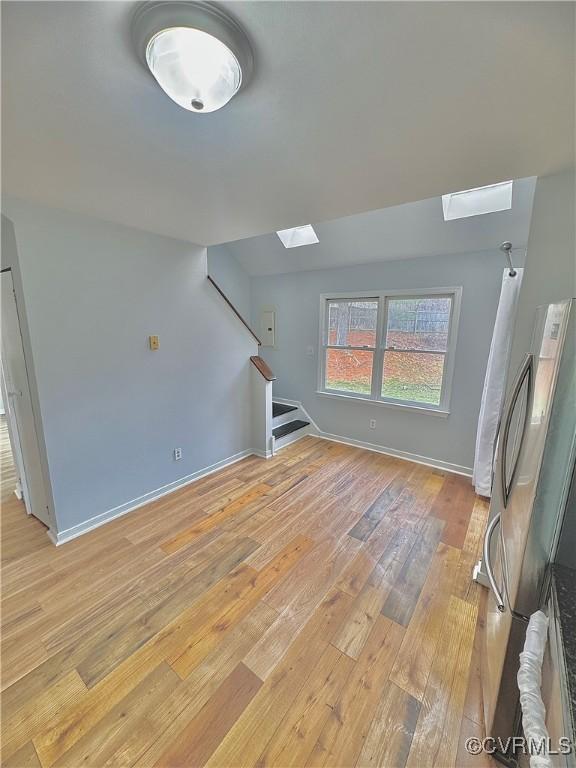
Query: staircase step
(279, 409)
(287, 429)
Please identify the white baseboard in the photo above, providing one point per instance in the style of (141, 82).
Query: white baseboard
(61, 537)
(456, 469)
(262, 454)
(414, 457)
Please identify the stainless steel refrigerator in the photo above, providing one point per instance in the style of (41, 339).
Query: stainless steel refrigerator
(533, 469)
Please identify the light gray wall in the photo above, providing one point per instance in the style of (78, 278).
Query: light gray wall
(551, 256)
(231, 278)
(112, 410)
(295, 297)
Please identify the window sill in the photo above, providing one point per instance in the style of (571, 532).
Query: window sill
(404, 406)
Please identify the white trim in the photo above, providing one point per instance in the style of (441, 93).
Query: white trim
(285, 401)
(454, 292)
(284, 418)
(392, 292)
(262, 455)
(298, 404)
(293, 437)
(387, 403)
(62, 537)
(447, 466)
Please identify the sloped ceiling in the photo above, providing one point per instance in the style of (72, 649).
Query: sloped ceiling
(354, 107)
(411, 230)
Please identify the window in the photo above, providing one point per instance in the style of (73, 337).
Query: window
(351, 345)
(395, 347)
(475, 202)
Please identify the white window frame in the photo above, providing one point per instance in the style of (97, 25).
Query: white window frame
(382, 297)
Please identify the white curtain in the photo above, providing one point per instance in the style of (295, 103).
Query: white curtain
(495, 382)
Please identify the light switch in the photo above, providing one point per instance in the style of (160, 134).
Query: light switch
(154, 342)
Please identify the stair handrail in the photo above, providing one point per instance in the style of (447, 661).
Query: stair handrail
(233, 308)
(263, 367)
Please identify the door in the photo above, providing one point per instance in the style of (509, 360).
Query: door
(20, 404)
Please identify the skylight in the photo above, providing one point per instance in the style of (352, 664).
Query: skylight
(292, 238)
(474, 202)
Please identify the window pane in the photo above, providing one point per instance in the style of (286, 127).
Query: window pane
(418, 323)
(352, 323)
(415, 376)
(349, 370)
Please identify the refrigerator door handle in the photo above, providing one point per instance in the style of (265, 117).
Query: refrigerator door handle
(493, 586)
(525, 371)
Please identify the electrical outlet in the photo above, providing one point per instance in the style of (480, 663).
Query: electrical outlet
(372, 423)
(177, 454)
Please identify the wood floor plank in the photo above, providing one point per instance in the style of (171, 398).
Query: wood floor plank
(248, 738)
(368, 604)
(188, 698)
(342, 738)
(125, 586)
(390, 736)
(214, 520)
(299, 730)
(381, 506)
(274, 643)
(356, 573)
(412, 666)
(20, 656)
(454, 504)
(108, 655)
(323, 562)
(476, 527)
(26, 757)
(105, 744)
(61, 733)
(200, 738)
(18, 612)
(203, 627)
(20, 726)
(205, 638)
(435, 741)
(327, 511)
(401, 601)
(473, 707)
(464, 758)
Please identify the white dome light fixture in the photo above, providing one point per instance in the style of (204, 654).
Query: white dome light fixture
(199, 55)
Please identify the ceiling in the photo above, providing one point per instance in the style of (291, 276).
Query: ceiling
(410, 230)
(354, 106)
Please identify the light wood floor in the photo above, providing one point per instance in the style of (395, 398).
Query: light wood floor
(314, 609)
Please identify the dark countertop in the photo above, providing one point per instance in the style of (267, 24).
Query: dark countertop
(565, 585)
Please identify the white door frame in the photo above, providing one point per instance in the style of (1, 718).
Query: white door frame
(21, 488)
(23, 428)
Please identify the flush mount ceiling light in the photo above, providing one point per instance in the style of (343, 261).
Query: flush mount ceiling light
(474, 202)
(198, 54)
(292, 238)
